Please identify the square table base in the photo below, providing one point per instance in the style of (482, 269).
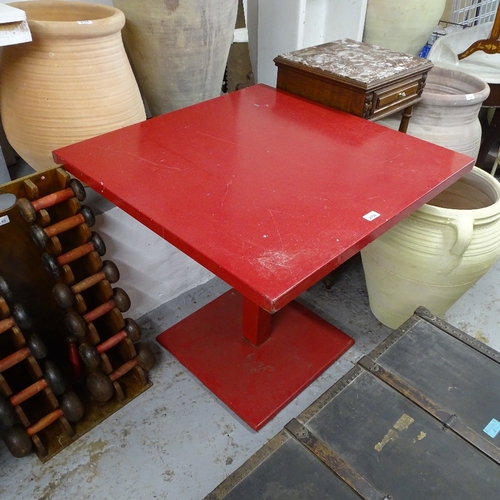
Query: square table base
(254, 382)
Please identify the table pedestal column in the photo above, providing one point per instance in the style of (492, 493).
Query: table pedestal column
(256, 326)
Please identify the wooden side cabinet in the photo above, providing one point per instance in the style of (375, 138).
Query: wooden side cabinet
(361, 79)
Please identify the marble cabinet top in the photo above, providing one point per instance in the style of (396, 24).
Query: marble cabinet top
(356, 61)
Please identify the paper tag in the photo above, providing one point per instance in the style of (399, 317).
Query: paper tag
(84, 22)
(4, 220)
(493, 428)
(371, 215)
(469, 97)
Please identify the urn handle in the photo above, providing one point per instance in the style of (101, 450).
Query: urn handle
(464, 227)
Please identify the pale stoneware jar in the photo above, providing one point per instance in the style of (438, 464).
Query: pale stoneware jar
(401, 25)
(178, 48)
(448, 114)
(436, 254)
(72, 82)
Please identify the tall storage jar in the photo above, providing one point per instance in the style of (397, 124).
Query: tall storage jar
(178, 48)
(401, 25)
(448, 114)
(436, 254)
(72, 82)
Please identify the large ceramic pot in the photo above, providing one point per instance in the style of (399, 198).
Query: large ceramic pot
(436, 254)
(178, 48)
(401, 25)
(448, 113)
(72, 82)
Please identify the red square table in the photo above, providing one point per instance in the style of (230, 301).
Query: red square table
(270, 192)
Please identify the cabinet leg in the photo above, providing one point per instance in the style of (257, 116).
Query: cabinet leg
(405, 119)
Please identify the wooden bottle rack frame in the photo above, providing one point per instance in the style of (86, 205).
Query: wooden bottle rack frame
(22, 268)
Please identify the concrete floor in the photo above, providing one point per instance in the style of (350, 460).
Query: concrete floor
(176, 440)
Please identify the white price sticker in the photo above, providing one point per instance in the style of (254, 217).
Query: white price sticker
(84, 22)
(371, 215)
(4, 220)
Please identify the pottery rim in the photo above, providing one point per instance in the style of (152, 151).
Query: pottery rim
(468, 90)
(69, 18)
(484, 182)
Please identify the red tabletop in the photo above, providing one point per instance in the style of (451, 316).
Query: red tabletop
(268, 191)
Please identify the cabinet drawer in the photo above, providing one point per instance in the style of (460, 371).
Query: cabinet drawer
(396, 96)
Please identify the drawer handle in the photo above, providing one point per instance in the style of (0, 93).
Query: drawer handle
(401, 95)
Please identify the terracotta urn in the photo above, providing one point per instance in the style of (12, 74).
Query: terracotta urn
(178, 48)
(72, 82)
(435, 255)
(401, 25)
(448, 114)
